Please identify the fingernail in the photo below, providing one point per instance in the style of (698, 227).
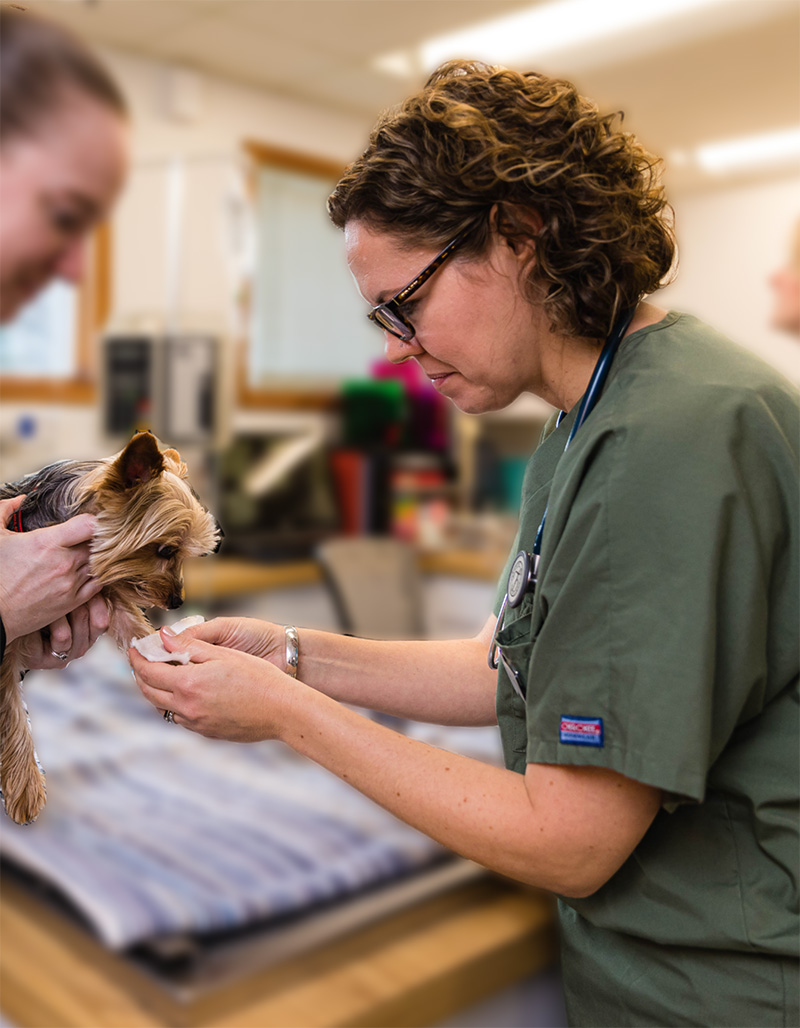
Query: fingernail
(166, 630)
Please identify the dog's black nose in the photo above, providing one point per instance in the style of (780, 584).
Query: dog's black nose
(175, 601)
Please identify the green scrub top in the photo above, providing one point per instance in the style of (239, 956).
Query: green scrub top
(662, 643)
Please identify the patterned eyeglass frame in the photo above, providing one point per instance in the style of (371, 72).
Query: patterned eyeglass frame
(396, 322)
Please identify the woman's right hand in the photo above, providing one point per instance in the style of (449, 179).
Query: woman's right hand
(248, 635)
(45, 572)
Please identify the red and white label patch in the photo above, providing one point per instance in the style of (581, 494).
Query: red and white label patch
(581, 731)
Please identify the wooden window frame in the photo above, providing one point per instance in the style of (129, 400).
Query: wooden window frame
(94, 306)
(318, 398)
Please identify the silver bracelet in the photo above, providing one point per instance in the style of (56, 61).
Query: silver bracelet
(292, 650)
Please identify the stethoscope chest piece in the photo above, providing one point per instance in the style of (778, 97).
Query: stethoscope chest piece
(521, 577)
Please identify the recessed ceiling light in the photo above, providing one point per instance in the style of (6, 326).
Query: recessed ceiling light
(538, 31)
(767, 148)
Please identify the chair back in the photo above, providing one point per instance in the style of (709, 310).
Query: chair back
(375, 585)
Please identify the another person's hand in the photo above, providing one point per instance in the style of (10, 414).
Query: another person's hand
(45, 572)
(71, 636)
(222, 693)
(248, 635)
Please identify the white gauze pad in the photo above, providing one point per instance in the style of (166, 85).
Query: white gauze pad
(151, 647)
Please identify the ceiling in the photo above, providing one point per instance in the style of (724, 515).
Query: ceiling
(732, 70)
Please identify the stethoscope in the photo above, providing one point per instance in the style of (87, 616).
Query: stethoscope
(524, 571)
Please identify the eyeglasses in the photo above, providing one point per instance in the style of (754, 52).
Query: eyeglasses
(389, 316)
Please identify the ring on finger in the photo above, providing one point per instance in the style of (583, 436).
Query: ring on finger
(169, 717)
(59, 656)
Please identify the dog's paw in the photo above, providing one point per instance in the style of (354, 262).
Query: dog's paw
(25, 805)
(151, 647)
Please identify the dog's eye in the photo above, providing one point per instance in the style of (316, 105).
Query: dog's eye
(166, 552)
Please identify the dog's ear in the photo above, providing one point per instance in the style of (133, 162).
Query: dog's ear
(139, 462)
(173, 462)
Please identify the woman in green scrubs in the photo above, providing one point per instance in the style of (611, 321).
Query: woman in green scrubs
(498, 225)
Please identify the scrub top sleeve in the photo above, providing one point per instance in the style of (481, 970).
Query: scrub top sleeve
(652, 604)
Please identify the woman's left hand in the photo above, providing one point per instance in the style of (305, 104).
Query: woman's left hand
(221, 693)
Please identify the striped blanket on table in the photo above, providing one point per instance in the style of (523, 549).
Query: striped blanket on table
(151, 830)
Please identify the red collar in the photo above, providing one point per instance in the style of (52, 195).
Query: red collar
(15, 524)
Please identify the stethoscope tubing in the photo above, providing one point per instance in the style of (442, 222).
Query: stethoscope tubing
(587, 405)
(592, 394)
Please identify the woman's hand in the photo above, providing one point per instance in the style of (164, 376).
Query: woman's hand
(71, 636)
(45, 572)
(222, 693)
(248, 635)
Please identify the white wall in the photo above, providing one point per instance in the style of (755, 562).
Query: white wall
(229, 113)
(731, 239)
(198, 157)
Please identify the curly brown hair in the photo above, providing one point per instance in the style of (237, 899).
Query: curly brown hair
(478, 138)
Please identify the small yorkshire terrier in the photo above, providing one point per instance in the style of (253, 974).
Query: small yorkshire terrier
(148, 521)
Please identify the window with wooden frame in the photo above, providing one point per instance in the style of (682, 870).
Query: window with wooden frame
(306, 326)
(49, 353)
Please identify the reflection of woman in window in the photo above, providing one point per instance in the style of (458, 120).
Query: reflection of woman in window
(63, 158)
(786, 290)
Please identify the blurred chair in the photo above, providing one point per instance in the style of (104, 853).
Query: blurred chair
(376, 586)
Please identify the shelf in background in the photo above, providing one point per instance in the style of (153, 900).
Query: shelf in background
(222, 577)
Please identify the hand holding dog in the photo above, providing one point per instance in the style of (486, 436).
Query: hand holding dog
(74, 635)
(45, 574)
(223, 693)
